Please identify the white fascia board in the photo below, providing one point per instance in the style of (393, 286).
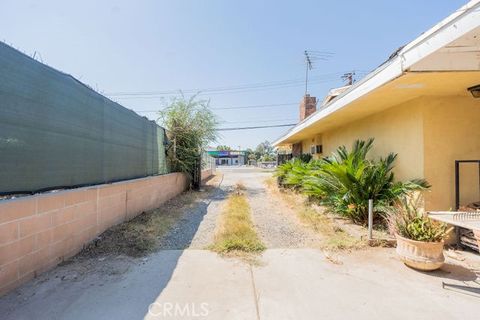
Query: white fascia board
(457, 24)
(467, 8)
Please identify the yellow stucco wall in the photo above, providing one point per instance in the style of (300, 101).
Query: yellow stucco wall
(428, 134)
(452, 132)
(307, 144)
(398, 129)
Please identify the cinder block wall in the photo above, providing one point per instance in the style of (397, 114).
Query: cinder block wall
(38, 232)
(206, 173)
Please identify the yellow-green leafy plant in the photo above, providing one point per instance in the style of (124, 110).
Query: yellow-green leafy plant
(407, 220)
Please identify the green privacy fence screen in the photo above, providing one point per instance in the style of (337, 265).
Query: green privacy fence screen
(56, 132)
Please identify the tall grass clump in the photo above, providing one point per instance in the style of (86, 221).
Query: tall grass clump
(236, 232)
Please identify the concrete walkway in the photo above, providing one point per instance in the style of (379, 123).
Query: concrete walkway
(287, 283)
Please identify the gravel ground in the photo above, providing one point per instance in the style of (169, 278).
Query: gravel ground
(196, 228)
(276, 224)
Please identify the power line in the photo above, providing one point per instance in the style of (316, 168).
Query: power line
(227, 90)
(234, 87)
(259, 121)
(210, 93)
(238, 88)
(238, 107)
(257, 127)
(327, 53)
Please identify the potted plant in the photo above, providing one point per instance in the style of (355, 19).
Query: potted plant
(419, 239)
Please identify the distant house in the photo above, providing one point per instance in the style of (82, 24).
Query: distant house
(422, 103)
(228, 157)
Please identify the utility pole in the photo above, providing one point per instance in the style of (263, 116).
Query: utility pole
(238, 156)
(349, 77)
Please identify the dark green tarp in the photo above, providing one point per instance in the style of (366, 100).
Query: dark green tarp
(57, 132)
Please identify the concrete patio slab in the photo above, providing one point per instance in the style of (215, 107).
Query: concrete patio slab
(204, 285)
(302, 284)
(287, 284)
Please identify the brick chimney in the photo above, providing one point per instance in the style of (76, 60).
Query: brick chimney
(308, 105)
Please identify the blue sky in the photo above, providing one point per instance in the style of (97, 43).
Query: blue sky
(138, 46)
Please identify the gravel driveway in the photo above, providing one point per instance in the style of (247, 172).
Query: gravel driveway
(276, 224)
(196, 227)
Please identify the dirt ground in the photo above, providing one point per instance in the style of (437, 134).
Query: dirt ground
(136, 264)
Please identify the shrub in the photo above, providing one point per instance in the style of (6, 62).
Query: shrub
(348, 180)
(406, 220)
(305, 157)
(191, 126)
(292, 174)
(345, 181)
(282, 171)
(296, 174)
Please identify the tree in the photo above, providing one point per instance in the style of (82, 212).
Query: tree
(249, 154)
(223, 148)
(190, 126)
(265, 151)
(267, 158)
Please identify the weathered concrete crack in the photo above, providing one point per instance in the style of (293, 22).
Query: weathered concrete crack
(256, 296)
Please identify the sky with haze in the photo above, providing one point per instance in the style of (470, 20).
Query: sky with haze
(157, 46)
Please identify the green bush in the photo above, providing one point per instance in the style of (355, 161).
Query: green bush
(305, 157)
(283, 170)
(345, 181)
(191, 126)
(348, 180)
(407, 221)
(292, 174)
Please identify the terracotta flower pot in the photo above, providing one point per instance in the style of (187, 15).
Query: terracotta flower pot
(425, 256)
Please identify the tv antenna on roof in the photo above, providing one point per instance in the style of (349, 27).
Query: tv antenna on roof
(311, 57)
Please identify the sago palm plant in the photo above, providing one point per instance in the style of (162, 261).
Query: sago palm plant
(282, 171)
(296, 174)
(347, 180)
(293, 173)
